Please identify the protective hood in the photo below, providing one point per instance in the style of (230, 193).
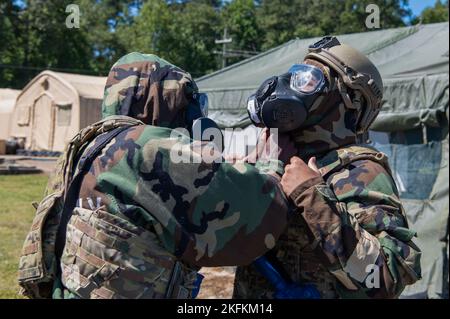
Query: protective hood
(148, 88)
(329, 124)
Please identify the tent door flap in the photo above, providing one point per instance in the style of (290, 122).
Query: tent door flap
(42, 133)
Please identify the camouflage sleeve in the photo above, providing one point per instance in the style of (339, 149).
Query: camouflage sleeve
(358, 222)
(211, 214)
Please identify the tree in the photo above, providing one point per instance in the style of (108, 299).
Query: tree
(151, 30)
(40, 40)
(106, 24)
(181, 32)
(353, 18)
(48, 42)
(285, 20)
(196, 27)
(10, 50)
(37, 37)
(240, 19)
(278, 20)
(438, 13)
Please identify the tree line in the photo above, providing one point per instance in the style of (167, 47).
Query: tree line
(34, 35)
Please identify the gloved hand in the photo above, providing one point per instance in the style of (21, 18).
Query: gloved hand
(270, 147)
(298, 172)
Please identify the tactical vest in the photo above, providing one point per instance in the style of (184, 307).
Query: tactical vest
(102, 255)
(294, 250)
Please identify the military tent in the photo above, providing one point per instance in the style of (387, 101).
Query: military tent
(7, 101)
(412, 128)
(54, 106)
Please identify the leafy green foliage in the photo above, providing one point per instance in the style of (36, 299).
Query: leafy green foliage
(438, 13)
(33, 35)
(284, 20)
(241, 20)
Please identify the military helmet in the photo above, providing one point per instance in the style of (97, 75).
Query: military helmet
(356, 72)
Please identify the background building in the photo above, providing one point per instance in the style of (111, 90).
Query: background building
(53, 107)
(7, 102)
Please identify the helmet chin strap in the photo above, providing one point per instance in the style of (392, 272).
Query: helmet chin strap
(353, 104)
(322, 100)
(338, 82)
(344, 94)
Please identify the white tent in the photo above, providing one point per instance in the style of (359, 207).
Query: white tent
(54, 106)
(7, 101)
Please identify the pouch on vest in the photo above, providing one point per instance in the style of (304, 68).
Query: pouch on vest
(37, 264)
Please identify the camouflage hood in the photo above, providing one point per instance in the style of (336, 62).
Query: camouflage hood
(148, 88)
(329, 125)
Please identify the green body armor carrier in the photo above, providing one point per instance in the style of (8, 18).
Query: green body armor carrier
(94, 242)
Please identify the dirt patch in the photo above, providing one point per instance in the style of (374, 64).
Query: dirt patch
(218, 283)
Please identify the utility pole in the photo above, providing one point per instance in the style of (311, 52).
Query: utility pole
(224, 41)
(233, 52)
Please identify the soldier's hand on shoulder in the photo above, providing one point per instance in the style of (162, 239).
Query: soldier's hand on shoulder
(298, 172)
(271, 147)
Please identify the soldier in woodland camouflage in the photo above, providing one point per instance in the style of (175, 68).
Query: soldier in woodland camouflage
(351, 237)
(145, 224)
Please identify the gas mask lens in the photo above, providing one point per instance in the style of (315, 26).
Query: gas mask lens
(306, 79)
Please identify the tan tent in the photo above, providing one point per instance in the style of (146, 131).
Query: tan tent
(54, 106)
(7, 101)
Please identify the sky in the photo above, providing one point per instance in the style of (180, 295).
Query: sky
(418, 5)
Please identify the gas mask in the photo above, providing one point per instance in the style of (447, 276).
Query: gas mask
(197, 109)
(283, 101)
(200, 127)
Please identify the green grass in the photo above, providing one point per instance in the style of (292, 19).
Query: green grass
(17, 192)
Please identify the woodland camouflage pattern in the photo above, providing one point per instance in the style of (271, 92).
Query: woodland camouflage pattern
(140, 214)
(148, 88)
(350, 219)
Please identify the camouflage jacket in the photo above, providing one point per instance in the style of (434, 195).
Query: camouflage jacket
(149, 198)
(152, 210)
(351, 238)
